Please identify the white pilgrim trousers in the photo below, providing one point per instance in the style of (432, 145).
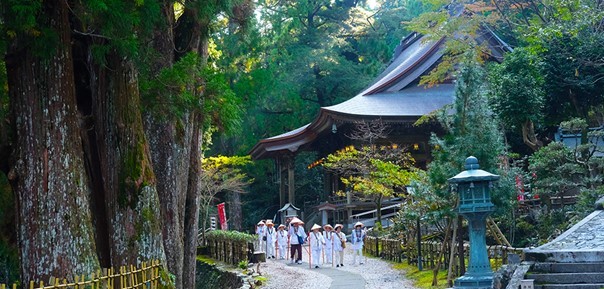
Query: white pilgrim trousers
(316, 256)
(354, 255)
(283, 251)
(270, 249)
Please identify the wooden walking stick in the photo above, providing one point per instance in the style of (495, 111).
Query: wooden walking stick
(288, 248)
(309, 253)
(323, 254)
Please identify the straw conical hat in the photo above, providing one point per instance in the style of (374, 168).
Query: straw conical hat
(296, 220)
(358, 224)
(315, 227)
(260, 223)
(327, 226)
(269, 223)
(281, 226)
(338, 226)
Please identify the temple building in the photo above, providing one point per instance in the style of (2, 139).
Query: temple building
(397, 99)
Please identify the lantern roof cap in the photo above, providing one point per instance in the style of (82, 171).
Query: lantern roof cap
(473, 173)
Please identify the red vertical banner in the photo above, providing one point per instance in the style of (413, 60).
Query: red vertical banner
(222, 217)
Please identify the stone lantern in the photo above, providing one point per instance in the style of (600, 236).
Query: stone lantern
(473, 188)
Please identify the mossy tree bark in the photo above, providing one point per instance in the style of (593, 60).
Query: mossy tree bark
(131, 199)
(55, 229)
(191, 220)
(175, 146)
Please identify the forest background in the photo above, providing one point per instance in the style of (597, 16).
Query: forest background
(125, 89)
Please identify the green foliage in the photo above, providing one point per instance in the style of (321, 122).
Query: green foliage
(221, 105)
(125, 25)
(586, 200)
(555, 169)
(190, 85)
(517, 87)
(230, 236)
(206, 259)
(569, 39)
(176, 89)
(471, 131)
(459, 33)
(560, 169)
(22, 23)
(221, 174)
(373, 173)
(285, 68)
(422, 279)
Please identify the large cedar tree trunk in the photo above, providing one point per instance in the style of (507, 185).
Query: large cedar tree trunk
(169, 141)
(131, 198)
(191, 219)
(235, 213)
(175, 145)
(56, 236)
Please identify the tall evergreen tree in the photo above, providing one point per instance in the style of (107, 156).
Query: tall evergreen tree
(470, 131)
(80, 75)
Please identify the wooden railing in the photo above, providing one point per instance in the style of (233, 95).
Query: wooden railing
(397, 251)
(127, 277)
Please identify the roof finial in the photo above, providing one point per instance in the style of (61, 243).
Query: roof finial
(472, 163)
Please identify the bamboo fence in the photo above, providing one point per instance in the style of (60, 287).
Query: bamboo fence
(397, 251)
(127, 277)
(230, 252)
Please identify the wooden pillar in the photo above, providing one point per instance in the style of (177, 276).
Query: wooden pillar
(327, 185)
(349, 215)
(290, 180)
(282, 190)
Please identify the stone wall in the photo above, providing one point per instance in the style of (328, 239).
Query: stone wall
(210, 276)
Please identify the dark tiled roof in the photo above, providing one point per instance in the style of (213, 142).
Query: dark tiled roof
(394, 94)
(289, 133)
(413, 101)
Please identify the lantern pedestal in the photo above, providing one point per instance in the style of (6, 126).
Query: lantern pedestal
(479, 274)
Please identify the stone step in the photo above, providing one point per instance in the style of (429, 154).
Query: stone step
(570, 286)
(566, 278)
(568, 267)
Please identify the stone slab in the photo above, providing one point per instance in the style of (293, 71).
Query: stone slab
(568, 267)
(584, 242)
(570, 286)
(518, 276)
(566, 278)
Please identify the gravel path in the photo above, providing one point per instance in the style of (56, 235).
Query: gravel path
(281, 275)
(378, 274)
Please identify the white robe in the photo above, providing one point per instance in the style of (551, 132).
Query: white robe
(328, 236)
(271, 237)
(282, 243)
(317, 242)
(293, 240)
(337, 241)
(357, 239)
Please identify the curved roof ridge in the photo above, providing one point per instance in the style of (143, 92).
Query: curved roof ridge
(404, 64)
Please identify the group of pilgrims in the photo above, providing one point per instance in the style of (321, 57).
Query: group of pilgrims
(326, 247)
